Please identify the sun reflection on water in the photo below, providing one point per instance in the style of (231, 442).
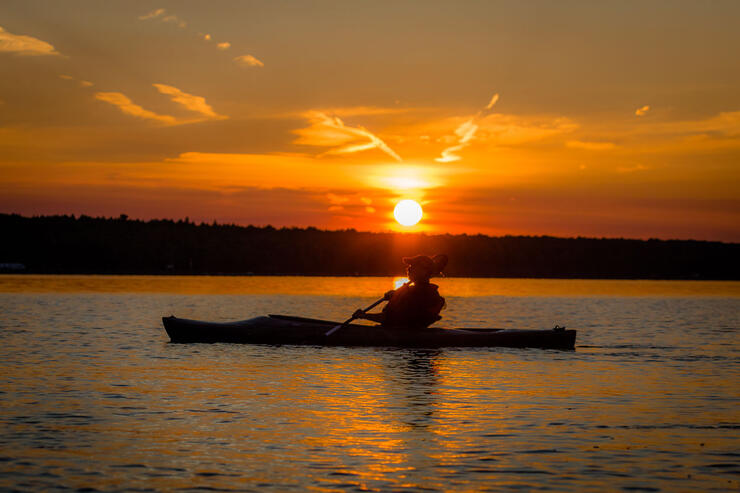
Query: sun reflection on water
(399, 281)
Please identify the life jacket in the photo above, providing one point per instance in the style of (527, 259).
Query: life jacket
(414, 306)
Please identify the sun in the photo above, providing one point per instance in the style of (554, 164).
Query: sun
(407, 212)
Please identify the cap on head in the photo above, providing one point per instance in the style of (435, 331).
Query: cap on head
(431, 266)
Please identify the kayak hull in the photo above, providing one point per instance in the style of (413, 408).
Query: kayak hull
(278, 330)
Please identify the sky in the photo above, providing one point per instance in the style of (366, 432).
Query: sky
(569, 118)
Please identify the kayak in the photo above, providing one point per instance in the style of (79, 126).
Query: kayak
(285, 329)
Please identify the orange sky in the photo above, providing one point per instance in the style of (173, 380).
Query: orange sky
(562, 118)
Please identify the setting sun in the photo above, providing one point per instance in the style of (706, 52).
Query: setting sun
(407, 212)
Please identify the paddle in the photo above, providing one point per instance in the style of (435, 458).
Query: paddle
(337, 327)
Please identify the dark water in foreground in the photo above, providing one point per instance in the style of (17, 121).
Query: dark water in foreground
(93, 397)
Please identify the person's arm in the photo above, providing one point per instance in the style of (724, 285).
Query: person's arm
(374, 317)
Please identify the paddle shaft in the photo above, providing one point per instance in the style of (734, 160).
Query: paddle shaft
(336, 328)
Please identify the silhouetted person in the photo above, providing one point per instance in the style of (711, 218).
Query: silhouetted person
(416, 304)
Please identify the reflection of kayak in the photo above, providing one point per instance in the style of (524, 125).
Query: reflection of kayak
(282, 329)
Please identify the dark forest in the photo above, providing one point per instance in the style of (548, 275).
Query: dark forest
(86, 245)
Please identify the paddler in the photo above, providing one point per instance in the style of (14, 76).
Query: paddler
(416, 304)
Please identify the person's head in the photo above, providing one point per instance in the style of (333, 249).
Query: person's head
(421, 267)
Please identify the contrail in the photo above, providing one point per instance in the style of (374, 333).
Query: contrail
(330, 131)
(465, 133)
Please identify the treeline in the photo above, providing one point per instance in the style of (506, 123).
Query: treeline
(69, 244)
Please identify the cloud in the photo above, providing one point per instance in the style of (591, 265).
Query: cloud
(248, 61)
(349, 202)
(364, 111)
(330, 131)
(591, 146)
(465, 133)
(223, 46)
(713, 133)
(151, 15)
(160, 14)
(337, 199)
(642, 111)
(632, 169)
(228, 171)
(83, 83)
(191, 102)
(128, 107)
(24, 45)
(175, 20)
(494, 100)
(726, 123)
(513, 130)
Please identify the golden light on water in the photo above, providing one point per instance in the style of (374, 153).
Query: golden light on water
(407, 212)
(358, 286)
(399, 281)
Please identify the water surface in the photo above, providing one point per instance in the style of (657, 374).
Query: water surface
(93, 396)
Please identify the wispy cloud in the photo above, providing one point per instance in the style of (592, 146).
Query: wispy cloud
(642, 111)
(152, 15)
(349, 203)
(465, 133)
(122, 102)
(82, 83)
(191, 102)
(363, 110)
(337, 199)
(330, 131)
(513, 130)
(248, 61)
(726, 123)
(24, 45)
(632, 169)
(494, 100)
(161, 14)
(721, 131)
(591, 146)
(173, 19)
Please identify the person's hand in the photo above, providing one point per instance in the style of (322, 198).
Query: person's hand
(389, 294)
(358, 314)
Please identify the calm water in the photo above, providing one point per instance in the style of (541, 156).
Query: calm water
(93, 397)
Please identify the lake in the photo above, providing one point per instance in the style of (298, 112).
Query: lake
(93, 397)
